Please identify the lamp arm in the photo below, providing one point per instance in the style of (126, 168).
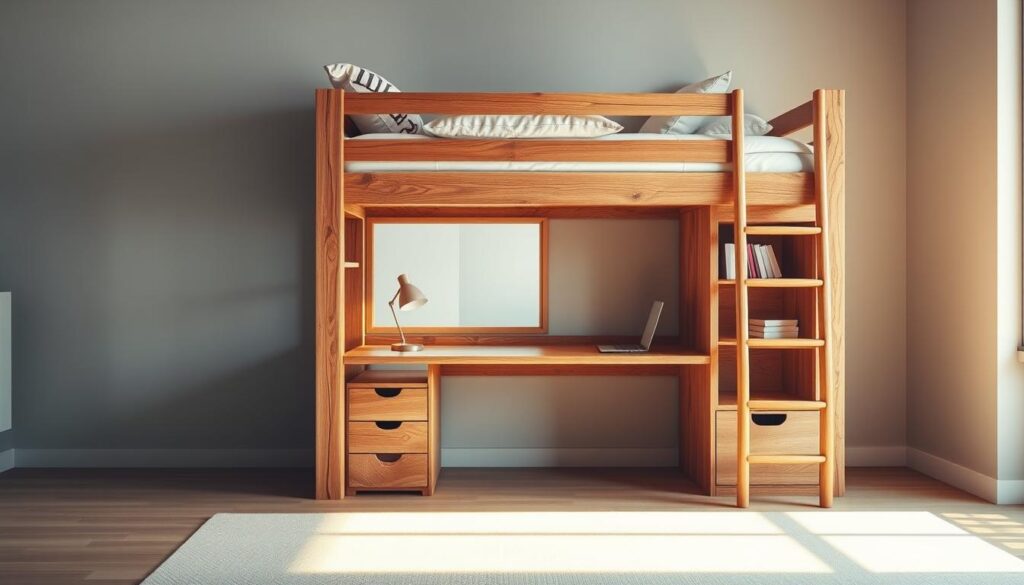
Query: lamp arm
(391, 305)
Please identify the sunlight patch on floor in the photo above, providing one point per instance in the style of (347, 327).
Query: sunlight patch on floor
(578, 542)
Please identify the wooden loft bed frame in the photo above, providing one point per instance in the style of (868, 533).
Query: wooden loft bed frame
(703, 202)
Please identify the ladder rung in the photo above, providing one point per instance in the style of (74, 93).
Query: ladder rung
(785, 459)
(782, 230)
(784, 282)
(785, 405)
(792, 343)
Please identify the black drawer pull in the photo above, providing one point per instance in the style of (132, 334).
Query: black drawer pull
(387, 392)
(388, 425)
(768, 420)
(389, 457)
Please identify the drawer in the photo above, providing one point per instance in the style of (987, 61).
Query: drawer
(387, 471)
(792, 433)
(387, 437)
(372, 404)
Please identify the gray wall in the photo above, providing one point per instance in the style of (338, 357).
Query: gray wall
(156, 183)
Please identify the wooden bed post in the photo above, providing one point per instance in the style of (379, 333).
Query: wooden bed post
(835, 149)
(330, 326)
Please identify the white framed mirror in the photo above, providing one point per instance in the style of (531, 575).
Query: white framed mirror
(479, 275)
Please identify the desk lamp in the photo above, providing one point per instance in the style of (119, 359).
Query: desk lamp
(409, 298)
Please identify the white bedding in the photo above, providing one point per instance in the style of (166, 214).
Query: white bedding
(764, 154)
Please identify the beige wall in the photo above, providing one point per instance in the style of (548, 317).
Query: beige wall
(964, 236)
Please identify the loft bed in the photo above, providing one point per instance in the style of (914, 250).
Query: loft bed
(693, 180)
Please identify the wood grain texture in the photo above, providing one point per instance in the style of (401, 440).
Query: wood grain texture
(354, 276)
(560, 370)
(523, 189)
(368, 471)
(742, 428)
(797, 436)
(607, 104)
(330, 326)
(522, 354)
(792, 121)
(567, 212)
(371, 437)
(447, 339)
(547, 150)
(434, 450)
(366, 404)
(389, 379)
(835, 150)
(696, 432)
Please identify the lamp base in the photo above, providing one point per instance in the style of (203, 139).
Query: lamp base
(406, 347)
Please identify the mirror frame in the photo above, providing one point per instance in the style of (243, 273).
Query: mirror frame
(371, 328)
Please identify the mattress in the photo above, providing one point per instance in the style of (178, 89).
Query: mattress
(762, 154)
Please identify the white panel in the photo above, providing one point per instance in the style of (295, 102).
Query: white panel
(5, 361)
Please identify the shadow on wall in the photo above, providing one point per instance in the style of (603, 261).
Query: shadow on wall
(168, 294)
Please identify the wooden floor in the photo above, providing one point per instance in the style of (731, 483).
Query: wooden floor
(115, 526)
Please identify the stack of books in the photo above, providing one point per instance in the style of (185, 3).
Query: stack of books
(761, 261)
(774, 329)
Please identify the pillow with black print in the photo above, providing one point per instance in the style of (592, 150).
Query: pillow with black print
(357, 79)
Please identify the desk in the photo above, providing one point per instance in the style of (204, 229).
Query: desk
(522, 355)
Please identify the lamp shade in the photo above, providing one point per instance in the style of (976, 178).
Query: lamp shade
(409, 297)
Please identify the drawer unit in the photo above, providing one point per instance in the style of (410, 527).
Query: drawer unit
(384, 471)
(392, 432)
(791, 433)
(387, 437)
(397, 404)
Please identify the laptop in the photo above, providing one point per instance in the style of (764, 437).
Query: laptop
(645, 339)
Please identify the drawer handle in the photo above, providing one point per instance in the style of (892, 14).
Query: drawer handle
(768, 420)
(387, 392)
(388, 425)
(389, 457)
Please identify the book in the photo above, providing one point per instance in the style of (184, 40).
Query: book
(776, 269)
(774, 329)
(730, 261)
(773, 322)
(762, 261)
(774, 335)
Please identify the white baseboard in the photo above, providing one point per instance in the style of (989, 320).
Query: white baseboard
(969, 480)
(163, 458)
(559, 457)
(6, 460)
(887, 456)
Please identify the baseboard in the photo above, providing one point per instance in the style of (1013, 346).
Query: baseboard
(559, 457)
(887, 456)
(163, 458)
(6, 460)
(984, 486)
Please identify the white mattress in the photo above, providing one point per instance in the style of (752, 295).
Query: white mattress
(764, 154)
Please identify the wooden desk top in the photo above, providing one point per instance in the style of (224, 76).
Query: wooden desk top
(521, 354)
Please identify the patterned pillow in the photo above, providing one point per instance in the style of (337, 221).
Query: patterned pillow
(353, 78)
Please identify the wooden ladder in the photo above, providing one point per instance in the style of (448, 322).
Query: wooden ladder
(745, 406)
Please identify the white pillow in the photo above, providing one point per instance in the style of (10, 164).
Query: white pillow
(687, 124)
(549, 126)
(753, 125)
(353, 78)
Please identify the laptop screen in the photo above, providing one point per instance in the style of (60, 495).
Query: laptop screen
(652, 324)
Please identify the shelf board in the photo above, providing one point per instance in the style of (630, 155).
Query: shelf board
(727, 400)
(522, 354)
(775, 282)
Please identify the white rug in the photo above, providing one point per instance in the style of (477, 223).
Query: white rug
(560, 548)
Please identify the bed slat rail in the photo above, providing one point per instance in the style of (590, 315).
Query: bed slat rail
(792, 121)
(608, 104)
(711, 151)
(580, 189)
